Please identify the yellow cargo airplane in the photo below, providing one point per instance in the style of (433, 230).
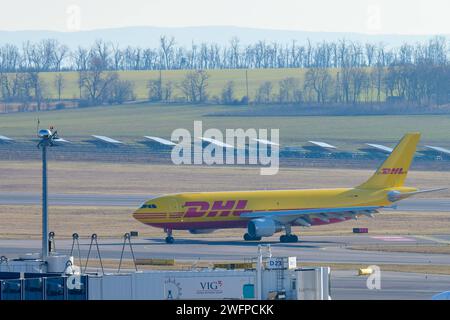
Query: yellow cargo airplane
(264, 213)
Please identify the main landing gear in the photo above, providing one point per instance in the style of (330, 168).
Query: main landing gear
(288, 237)
(248, 237)
(169, 238)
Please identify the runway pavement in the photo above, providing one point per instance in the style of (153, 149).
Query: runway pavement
(320, 249)
(394, 285)
(134, 200)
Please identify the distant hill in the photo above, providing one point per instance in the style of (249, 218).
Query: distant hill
(149, 36)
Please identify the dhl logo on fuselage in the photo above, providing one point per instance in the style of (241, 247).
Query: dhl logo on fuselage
(392, 171)
(198, 209)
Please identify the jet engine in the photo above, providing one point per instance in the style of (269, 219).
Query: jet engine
(263, 227)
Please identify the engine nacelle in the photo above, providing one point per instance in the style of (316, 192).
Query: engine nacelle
(263, 227)
(201, 231)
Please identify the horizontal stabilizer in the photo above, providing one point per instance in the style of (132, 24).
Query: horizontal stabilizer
(396, 195)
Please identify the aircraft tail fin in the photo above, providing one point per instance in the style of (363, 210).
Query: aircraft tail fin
(393, 171)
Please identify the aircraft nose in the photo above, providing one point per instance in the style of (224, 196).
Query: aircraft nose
(146, 208)
(136, 213)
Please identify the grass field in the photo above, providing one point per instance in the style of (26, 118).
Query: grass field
(142, 179)
(426, 249)
(216, 82)
(130, 121)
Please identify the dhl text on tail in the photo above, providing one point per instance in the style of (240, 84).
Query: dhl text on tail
(266, 212)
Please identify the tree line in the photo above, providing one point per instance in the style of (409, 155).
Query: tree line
(341, 72)
(50, 55)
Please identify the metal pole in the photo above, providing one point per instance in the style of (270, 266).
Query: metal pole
(246, 85)
(259, 266)
(44, 204)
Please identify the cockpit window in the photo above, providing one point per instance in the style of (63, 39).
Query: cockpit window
(149, 206)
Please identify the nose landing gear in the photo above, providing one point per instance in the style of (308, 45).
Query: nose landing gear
(169, 238)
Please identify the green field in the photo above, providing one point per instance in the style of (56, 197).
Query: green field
(129, 121)
(216, 82)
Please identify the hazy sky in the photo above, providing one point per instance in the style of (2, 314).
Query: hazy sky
(364, 16)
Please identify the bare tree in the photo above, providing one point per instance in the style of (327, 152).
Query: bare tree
(264, 92)
(155, 90)
(167, 91)
(194, 86)
(59, 84)
(119, 91)
(318, 81)
(290, 91)
(97, 82)
(38, 88)
(167, 50)
(228, 93)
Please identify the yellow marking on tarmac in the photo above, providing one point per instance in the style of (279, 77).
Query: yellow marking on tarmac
(434, 239)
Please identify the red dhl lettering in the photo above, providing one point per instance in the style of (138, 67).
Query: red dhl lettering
(197, 209)
(392, 171)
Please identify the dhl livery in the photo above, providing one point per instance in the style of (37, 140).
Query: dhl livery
(265, 213)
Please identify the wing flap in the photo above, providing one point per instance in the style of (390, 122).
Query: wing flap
(323, 213)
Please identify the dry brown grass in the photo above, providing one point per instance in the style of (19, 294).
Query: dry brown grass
(390, 223)
(121, 178)
(437, 249)
(415, 268)
(25, 222)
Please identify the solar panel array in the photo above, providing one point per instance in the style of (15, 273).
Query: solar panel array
(107, 139)
(4, 138)
(380, 147)
(315, 147)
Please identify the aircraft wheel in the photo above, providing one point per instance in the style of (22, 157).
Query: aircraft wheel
(291, 238)
(170, 240)
(248, 237)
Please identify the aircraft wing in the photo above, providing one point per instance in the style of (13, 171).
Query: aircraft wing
(305, 215)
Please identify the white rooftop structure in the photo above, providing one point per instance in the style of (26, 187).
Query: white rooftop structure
(107, 139)
(161, 140)
(438, 149)
(216, 142)
(264, 141)
(3, 138)
(380, 147)
(322, 144)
